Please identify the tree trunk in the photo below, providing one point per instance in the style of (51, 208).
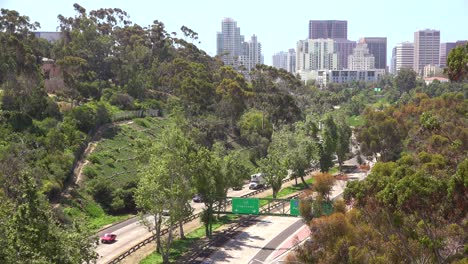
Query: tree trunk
(181, 229)
(167, 250)
(304, 182)
(157, 223)
(295, 178)
(210, 218)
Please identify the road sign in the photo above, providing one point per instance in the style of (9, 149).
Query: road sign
(294, 207)
(245, 206)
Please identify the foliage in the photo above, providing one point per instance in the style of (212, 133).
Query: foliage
(457, 64)
(405, 80)
(165, 185)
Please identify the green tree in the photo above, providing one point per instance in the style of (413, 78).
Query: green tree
(30, 231)
(165, 184)
(329, 143)
(274, 165)
(405, 80)
(343, 141)
(457, 64)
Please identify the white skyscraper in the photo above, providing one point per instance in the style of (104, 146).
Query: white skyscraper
(229, 42)
(291, 61)
(280, 60)
(404, 56)
(251, 54)
(316, 54)
(426, 49)
(234, 51)
(361, 59)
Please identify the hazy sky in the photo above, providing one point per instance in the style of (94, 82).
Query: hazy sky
(278, 24)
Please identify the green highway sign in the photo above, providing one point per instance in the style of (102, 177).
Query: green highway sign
(245, 206)
(294, 207)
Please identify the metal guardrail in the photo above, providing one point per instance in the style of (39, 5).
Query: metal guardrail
(186, 220)
(228, 233)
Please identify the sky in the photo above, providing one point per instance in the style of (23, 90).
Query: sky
(278, 24)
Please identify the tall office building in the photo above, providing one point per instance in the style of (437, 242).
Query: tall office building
(445, 49)
(229, 42)
(328, 29)
(426, 49)
(291, 61)
(361, 59)
(403, 56)
(280, 60)
(344, 48)
(378, 48)
(316, 54)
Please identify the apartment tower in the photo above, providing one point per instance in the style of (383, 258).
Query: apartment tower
(229, 42)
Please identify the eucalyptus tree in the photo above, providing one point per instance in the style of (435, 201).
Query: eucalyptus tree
(165, 184)
(274, 165)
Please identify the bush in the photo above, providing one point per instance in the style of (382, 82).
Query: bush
(142, 122)
(94, 158)
(123, 101)
(89, 172)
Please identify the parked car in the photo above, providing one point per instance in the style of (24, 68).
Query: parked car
(197, 198)
(108, 238)
(165, 212)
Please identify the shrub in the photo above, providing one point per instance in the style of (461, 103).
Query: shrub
(94, 158)
(89, 172)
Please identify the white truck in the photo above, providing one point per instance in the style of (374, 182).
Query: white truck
(257, 181)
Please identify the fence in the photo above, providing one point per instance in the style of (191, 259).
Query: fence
(135, 114)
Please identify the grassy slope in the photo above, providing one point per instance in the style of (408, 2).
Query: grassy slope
(115, 158)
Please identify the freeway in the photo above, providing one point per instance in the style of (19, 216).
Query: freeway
(132, 231)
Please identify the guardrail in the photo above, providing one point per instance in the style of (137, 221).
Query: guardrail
(204, 248)
(186, 220)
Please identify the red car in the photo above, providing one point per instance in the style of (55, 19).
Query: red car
(108, 238)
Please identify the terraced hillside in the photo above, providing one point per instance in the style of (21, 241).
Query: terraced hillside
(109, 175)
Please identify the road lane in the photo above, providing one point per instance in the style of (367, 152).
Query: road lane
(131, 231)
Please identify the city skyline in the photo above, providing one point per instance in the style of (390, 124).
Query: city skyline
(278, 27)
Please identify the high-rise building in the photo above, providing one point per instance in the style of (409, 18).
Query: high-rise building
(291, 62)
(251, 54)
(393, 61)
(426, 49)
(229, 42)
(316, 54)
(280, 60)
(344, 48)
(285, 60)
(361, 59)
(377, 47)
(328, 29)
(403, 56)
